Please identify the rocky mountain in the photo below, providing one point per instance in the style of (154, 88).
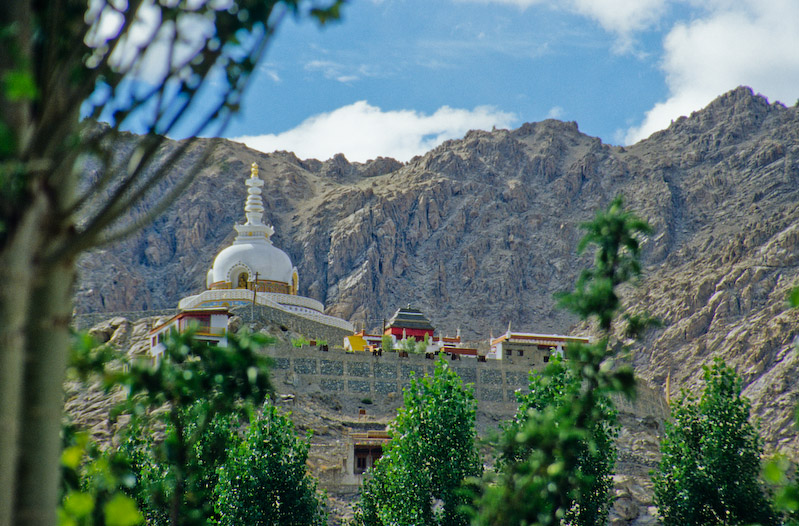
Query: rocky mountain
(481, 231)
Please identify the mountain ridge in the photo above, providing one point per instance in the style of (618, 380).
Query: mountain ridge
(481, 231)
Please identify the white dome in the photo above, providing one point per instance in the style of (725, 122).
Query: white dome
(252, 256)
(261, 257)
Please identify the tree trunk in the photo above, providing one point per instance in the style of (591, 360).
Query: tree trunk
(43, 400)
(16, 259)
(16, 264)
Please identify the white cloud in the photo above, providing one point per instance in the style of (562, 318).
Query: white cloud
(145, 50)
(361, 132)
(743, 42)
(555, 112)
(622, 17)
(340, 72)
(272, 74)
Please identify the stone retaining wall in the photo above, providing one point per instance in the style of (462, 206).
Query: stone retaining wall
(312, 330)
(82, 322)
(361, 374)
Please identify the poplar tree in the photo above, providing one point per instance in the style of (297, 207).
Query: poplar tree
(432, 452)
(709, 472)
(542, 487)
(182, 418)
(557, 386)
(265, 480)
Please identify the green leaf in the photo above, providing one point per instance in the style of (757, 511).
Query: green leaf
(121, 511)
(793, 297)
(7, 140)
(71, 457)
(78, 504)
(773, 473)
(64, 519)
(19, 85)
(331, 13)
(788, 498)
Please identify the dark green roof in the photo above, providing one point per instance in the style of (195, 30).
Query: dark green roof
(410, 318)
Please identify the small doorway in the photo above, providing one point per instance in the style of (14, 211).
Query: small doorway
(365, 457)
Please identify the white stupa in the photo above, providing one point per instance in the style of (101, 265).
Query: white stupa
(252, 261)
(253, 270)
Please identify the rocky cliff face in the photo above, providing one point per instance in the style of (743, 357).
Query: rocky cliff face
(481, 231)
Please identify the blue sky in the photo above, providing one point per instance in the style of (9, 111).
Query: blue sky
(397, 77)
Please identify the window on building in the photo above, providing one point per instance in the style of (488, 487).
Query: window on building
(365, 457)
(546, 358)
(508, 352)
(521, 352)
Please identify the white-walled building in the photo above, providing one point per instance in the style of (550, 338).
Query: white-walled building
(532, 347)
(209, 325)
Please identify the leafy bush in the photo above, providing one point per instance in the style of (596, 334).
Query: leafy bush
(553, 389)
(265, 481)
(182, 414)
(709, 471)
(93, 484)
(300, 342)
(543, 487)
(431, 453)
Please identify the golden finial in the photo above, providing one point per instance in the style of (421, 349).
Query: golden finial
(254, 171)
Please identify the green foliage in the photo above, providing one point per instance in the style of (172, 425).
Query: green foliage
(161, 478)
(197, 382)
(615, 233)
(793, 297)
(779, 471)
(192, 370)
(300, 342)
(431, 453)
(386, 343)
(19, 85)
(543, 487)
(411, 346)
(710, 465)
(190, 399)
(93, 483)
(556, 387)
(421, 346)
(265, 480)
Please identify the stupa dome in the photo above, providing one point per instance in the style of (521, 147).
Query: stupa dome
(262, 259)
(252, 261)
